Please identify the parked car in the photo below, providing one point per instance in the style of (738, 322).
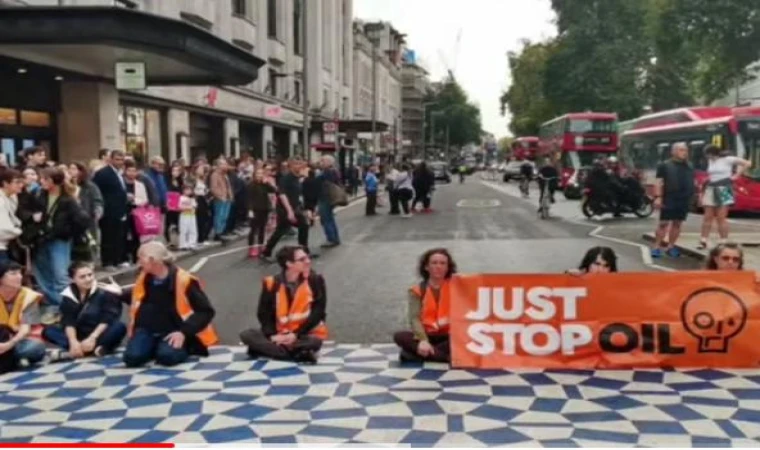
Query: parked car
(512, 170)
(441, 171)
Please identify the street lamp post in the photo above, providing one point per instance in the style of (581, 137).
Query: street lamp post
(305, 81)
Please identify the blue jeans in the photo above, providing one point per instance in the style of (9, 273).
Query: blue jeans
(327, 217)
(221, 214)
(109, 339)
(30, 349)
(51, 269)
(145, 345)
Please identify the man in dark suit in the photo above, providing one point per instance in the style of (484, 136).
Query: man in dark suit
(113, 224)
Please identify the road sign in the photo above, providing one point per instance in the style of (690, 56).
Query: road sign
(330, 127)
(130, 75)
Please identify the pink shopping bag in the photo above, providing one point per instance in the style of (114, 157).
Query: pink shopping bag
(147, 220)
(172, 201)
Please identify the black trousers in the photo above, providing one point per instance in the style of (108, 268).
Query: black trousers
(408, 343)
(283, 226)
(404, 197)
(203, 218)
(258, 228)
(371, 203)
(112, 242)
(259, 345)
(422, 195)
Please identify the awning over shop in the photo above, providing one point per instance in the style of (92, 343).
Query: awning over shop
(91, 40)
(355, 126)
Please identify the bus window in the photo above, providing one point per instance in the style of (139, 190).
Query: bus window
(591, 126)
(697, 154)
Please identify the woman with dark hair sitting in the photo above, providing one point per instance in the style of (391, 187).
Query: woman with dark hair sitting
(429, 303)
(597, 260)
(90, 316)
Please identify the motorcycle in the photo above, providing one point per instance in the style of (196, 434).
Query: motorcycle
(643, 207)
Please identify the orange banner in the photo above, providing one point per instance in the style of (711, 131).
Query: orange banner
(606, 321)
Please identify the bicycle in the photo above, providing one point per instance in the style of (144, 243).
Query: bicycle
(546, 201)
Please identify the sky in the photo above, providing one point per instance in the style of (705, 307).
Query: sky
(489, 29)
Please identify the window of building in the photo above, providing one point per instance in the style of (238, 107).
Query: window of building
(297, 15)
(272, 19)
(297, 93)
(141, 135)
(35, 119)
(7, 116)
(240, 7)
(273, 82)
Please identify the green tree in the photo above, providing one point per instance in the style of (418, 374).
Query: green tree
(727, 36)
(601, 58)
(452, 111)
(525, 97)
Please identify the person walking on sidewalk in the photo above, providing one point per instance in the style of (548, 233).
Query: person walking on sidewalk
(259, 206)
(325, 207)
(188, 225)
(370, 187)
(674, 191)
(221, 190)
(718, 191)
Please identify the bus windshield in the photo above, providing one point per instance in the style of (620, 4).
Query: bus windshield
(591, 126)
(752, 153)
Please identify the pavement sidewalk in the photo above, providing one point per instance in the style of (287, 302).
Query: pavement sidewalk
(184, 254)
(688, 243)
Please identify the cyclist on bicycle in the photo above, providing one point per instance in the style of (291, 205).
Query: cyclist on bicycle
(547, 175)
(526, 174)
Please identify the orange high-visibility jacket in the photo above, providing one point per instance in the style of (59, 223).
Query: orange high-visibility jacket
(434, 314)
(207, 336)
(24, 299)
(293, 318)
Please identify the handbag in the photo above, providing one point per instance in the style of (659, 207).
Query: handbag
(172, 201)
(147, 220)
(337, 195)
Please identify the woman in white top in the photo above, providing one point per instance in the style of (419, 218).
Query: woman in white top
(717, 192)
(404, 188)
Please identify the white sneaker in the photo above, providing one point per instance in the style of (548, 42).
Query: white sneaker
(125, 265)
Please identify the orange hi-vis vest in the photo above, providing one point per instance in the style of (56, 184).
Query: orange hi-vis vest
(293, 318)
(24, 299)
(207, 336)
(434, 314)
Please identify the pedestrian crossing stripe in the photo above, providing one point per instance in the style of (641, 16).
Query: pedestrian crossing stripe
(478, 203)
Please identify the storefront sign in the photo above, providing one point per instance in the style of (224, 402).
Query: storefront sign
(211, 97)
(130, 75)
(273, 111)
(610, 321)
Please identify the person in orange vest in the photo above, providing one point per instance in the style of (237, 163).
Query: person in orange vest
(292, 311)
(170, 315)
(429, 303)
(19, 320)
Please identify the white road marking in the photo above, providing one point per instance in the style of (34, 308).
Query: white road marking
(201, 262)
(646, 256)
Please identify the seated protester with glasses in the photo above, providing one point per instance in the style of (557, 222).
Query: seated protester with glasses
(728, 256)
(292, 311)
(90, 316)
(19, 320)
(170, 315)
(429, 304)
(597, 260)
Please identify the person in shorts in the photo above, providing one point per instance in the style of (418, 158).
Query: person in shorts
(674, 191)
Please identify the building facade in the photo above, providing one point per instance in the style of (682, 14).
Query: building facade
(188, 109)
(415, 87)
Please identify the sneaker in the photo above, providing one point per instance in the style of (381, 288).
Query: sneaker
(406, 357)
(125, 265)
(427, 210)
(253, 252)
(24, 363)
(674, 252)
(656, 253)
(330, 244)
(58, 355)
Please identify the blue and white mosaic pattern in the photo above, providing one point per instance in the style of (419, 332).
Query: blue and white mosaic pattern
(360, 394)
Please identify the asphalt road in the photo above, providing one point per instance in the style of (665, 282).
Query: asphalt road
(485, 229)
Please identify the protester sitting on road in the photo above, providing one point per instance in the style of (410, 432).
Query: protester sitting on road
(19, 320)
(597, 260)
(728, 256)
(170, 315)
(90, 316)
(292, 311)
(429, 303)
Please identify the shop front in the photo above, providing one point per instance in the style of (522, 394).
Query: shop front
(143, 134)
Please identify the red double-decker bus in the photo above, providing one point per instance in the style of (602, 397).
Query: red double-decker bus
(649, 139)
(578, 139)
(525, 147)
